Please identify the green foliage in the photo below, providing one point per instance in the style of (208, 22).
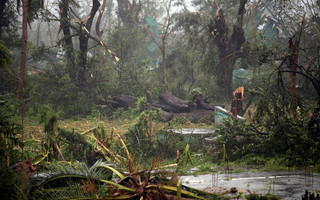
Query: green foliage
(177, 121)
(70, 181)
(276, 163)
(146, 142)
(4, 55)
(194, 91)
(141, 138)
(14, 184)
(138, 110)
(120, 113)
(14, 180)
(9, 25)
(183, 70)
(56, 91)
(9, 142)
(34, 7)
(132, 76)
(282, 137)
(45, 114)
(185, 158)
(170, 142)
(8, 70)
(76, 146)
(80, 182)
(239, 138)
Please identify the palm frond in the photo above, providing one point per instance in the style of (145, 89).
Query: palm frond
(67, 171)
(174, 189)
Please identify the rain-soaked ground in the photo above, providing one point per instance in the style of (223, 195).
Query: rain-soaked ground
(286, 185)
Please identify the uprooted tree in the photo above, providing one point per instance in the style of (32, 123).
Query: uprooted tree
(197, 110)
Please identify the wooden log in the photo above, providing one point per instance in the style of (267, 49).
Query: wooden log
(171, 100)
(170, 103)
(202, 103)
(172, 106)
(167, 108)
(125, 101)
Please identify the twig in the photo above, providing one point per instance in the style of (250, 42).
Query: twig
(59, 151)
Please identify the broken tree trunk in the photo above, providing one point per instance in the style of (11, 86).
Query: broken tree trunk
(229, 48)
(171, 103)
(124, 101)
(201, 101)
(171, 106)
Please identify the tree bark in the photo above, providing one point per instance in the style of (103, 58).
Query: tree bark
(129, 12)
(83, 38)
(293, 61)
(98, 31)
(229, 49)
(171, 106)
(126, 101)
(67, 38)
(23, 47)
(164, 73)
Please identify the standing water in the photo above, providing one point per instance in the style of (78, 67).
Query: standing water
(286, 185)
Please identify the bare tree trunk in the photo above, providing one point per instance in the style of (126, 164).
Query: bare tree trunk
(98, 31)
(83, 38)
(23, 46)
(64, 24)
(293, 60)
(129, 12)
(229, 49)
(163, 51)
(23, 58)
(38, 32)
(124, 10)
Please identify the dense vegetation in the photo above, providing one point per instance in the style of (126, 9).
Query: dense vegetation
(82, 54)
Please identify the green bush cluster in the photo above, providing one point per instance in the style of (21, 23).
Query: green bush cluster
(14, 182)
(258, 144)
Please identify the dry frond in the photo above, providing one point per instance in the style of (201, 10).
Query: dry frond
(90, 187)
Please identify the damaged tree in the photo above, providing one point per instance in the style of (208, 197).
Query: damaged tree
(129, 13)
(81, 28)
(171, 106)
(229, 48)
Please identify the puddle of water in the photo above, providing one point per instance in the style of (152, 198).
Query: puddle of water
(286, 185)
(193, 131)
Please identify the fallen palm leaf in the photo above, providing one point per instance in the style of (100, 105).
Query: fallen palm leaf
(179, 188)
(112, 169)
(88, 131)
(174, 189)
(45, 155)
(115, 156)
(123, 144)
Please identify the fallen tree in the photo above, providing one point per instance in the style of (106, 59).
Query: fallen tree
(197, 110)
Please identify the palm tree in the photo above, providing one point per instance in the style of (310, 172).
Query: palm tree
(78, 181)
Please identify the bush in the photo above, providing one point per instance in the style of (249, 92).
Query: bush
(14, 177)
(287, 139)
